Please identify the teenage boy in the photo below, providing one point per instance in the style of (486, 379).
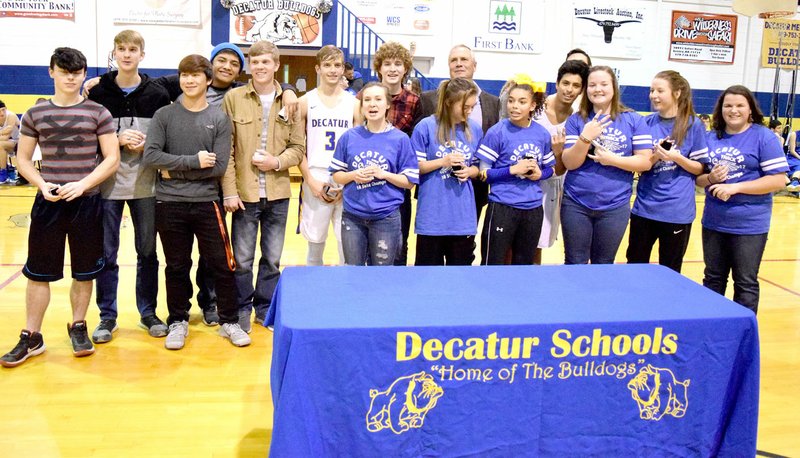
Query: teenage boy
(67, 206)
(326, 112)
(132, 99)
(266, 143)
(570, 80)
(228, 63)
(190, 141)
(392, 64)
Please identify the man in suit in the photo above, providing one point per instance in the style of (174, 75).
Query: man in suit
(486, 113)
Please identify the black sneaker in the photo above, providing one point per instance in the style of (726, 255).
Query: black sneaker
(103, 332)
(79, 336)
(154, 326)
(210, 316)
(30, 344)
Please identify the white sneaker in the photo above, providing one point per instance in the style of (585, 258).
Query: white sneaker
(177, 335)
(235, 333)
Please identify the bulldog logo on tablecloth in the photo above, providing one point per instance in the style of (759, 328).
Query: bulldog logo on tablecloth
(404, 404)
(659, 393)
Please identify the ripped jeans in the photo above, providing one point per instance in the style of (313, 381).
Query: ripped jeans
(371, 242)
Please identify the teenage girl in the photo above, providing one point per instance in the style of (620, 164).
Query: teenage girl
(749, 165)
(515, 156)
(606, 143)
(374, 163)
(445, 144)
(664, 208)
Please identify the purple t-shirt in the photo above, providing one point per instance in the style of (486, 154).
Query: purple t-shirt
(749, 155)
(445, 206)
(504, 145)
(601, 187)
(666, 192)
(390, 150)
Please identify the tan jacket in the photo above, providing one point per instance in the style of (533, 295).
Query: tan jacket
(285, 139)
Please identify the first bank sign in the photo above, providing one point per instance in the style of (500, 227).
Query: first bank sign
(506, 26)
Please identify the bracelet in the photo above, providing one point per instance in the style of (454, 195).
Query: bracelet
(584, 139)
(483, 175)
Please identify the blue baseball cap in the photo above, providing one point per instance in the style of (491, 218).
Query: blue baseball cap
(226, 46)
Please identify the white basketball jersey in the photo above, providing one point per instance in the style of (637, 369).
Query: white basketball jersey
(325, 125)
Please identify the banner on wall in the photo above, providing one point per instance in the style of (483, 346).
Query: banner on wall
(780, 43)
(162, 12)
(47, 9)
(512, 26)
(617, 31)
(283, 22)
(397, 16)
(702, 37)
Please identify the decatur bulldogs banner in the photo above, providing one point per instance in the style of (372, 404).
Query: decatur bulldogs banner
(283, 22)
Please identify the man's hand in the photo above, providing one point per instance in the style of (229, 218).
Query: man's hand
(233, 203)
(207, 159)
(89, 84)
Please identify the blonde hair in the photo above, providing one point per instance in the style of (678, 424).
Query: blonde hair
(129, 36)
(329, 52)
(264, 47)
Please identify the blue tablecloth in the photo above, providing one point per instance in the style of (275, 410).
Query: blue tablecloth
(510, 361)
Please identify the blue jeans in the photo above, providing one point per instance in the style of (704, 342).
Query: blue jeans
(738, 254)
(374, 242)
(270, 216)
(592, 235)
(143, 216)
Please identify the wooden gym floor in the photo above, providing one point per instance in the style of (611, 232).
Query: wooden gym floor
(134, 398)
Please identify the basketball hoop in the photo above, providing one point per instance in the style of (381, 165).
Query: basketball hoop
(776, 14)
(772, 9)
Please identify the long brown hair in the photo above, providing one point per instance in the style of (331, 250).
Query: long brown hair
(617, 106)
(682, 94)
(451, 92)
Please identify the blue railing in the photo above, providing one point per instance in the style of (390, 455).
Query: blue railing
(359, 43)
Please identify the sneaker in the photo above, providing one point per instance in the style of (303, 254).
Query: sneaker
(210, 316)
(30, 344)
(794, 186)
(79, 335)
(12, 176)
(176, 338)
(3, 175)
(244, 321)
(102, 333)
(235, 333)
(260, 319)
(271, 327)
(154, 326)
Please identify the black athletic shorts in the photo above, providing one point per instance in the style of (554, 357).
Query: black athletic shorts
(52, 224)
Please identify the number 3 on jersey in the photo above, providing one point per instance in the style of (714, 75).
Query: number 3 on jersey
(331, 145)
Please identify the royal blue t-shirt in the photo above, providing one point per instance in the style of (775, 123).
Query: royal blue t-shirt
(504, 145)
(445, 206)
(749, 155)
(666, 192)
(601, 187)
(794, 163)
(390, 150)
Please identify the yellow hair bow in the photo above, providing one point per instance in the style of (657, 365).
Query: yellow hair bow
(522, 78)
